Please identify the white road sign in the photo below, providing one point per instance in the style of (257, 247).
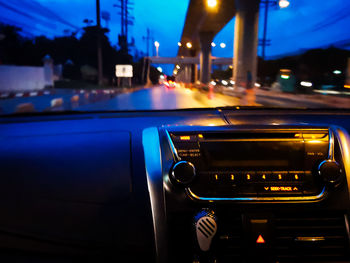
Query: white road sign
(123, 71)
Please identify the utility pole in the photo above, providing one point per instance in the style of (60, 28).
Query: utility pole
(125, 21)
(264, 42)
(99, 48)
(148, 38)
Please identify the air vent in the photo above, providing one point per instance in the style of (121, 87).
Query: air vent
(313, 238)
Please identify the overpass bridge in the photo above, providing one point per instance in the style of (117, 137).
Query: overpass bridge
(202, 23)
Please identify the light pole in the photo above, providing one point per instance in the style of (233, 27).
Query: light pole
(156, 44)
(99, 48)
(264, 41)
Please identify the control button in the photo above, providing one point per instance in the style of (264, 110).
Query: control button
(296, 176)
(216, 177)
(280, 190)
(260, 240)
(233, 177)
(331, 172)
(279, 176)
(263, 176)
(249, 177)
(184, 138)
(258, 233)
(183, 172)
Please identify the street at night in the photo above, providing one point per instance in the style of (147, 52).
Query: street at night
(170, 131)
(159, 97)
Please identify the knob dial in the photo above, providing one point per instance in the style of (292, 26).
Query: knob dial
(183, 172)
(330, 172)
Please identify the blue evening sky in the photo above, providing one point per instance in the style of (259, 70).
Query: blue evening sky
(305, 24)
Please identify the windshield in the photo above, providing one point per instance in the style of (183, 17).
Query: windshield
(121, 55)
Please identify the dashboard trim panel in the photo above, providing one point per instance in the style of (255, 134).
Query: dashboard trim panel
(318, 197)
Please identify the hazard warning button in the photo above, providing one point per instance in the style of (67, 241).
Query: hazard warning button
(260, 240)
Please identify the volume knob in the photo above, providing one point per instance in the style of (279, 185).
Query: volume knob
(183, 172)
(330, 172)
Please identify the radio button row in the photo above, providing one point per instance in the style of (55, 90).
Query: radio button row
(260, 176)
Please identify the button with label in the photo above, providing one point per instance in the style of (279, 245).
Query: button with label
(279, 176)
(263, 176)
(249, 177)
(233, 177)
(216, 177)
(296, 176)
(280, 190)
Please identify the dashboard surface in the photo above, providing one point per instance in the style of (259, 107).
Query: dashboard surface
(77, 186)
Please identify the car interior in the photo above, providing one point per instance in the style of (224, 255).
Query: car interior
(230, 184)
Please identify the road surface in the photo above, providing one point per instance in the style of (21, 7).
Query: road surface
(159, 98)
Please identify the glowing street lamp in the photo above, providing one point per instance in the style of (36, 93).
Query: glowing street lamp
(213, 44)
(179, 44)
(212, 3)
(283, 3)
(160, 69)
(189, 45)
(156, 44)
(222, 45)
(177, 66)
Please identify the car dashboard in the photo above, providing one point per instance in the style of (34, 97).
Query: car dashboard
(200, 185)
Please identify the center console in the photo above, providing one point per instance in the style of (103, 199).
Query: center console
(248, 194)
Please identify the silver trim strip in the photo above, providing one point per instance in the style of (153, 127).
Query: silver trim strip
(344, 143)
(153, 166)
(172, 146)
(346, 219)
(331, 145)
(318, 197)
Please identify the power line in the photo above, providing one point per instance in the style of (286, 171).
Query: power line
(23, 27)
(38, 9)
(47, 23)
(53, 14)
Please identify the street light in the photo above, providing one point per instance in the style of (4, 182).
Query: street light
(213, 44)
(212, 3)
(177, 66)
(222, 45)
(189, 45)
(283, 3)
(160, 69)
(156, 44)
(179, 44)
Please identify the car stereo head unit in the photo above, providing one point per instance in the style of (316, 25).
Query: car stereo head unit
(264, 164)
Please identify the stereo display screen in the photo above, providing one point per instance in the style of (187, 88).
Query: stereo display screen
(254, 155)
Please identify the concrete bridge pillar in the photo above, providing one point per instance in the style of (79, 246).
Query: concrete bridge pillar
(246, 45)
(205, 39)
